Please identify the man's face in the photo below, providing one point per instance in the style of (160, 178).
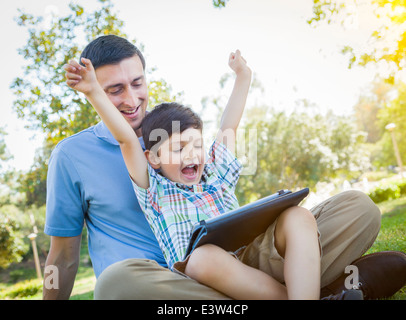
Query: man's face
(126, 87)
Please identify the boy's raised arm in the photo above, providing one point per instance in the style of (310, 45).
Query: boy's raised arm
(84, 79)
(236, 103)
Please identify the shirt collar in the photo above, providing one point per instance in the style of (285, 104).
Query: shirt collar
(103, 133)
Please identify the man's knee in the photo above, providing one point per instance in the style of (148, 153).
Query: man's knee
(360, 216)
(365, 210)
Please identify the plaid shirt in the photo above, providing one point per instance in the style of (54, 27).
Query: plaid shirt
(172, 208)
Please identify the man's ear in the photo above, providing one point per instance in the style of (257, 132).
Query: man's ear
(153, 159)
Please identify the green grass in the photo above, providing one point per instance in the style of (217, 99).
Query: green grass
(392, 235)
(22, 284)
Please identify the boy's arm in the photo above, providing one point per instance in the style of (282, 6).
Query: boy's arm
(84, 80)
(236, 103)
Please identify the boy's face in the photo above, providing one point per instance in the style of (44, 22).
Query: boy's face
(182, 157)
(126, 87)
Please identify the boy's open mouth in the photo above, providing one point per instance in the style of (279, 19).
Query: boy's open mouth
(190, 171)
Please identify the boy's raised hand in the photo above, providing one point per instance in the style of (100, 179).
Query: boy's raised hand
(81, 78)
(238, 64)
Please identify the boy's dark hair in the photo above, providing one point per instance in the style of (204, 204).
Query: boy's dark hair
(110, 49)
(169, 118)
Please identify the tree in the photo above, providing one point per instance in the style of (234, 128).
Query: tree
(298, 150)
(219, 3)
(394, 111)
(43, 98)
(388, 39)
(33, 182)
(4, 174)
(293, 150)
(367, 108)
(12, 247)
(4, 154)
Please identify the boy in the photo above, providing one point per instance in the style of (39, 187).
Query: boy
(180, 158)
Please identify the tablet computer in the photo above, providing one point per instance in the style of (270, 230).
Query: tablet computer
(239, 227)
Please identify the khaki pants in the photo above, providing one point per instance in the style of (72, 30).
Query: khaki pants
(348, 224)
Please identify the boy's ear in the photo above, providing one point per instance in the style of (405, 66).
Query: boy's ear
(153, 159)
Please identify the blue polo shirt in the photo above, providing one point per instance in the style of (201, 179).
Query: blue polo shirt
(88, 183)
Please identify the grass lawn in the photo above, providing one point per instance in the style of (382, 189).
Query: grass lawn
(391, 237)
(393, 232)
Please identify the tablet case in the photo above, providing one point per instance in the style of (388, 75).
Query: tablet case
(241, 226)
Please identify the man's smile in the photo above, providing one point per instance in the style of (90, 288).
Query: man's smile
(130, 113)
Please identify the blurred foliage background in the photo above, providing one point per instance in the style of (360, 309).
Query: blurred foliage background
(292, 150)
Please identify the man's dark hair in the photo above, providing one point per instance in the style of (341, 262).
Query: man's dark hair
(171, 117)
(110, 49)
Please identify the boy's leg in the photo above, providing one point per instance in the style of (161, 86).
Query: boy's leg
(296, 239)
(218, 269)
(348, 224)
(143, 279)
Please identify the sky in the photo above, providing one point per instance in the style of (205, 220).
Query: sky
(188, 42)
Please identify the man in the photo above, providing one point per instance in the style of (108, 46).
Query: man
(88, 181)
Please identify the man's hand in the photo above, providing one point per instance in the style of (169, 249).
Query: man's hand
(238, 64)
(81, 78)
